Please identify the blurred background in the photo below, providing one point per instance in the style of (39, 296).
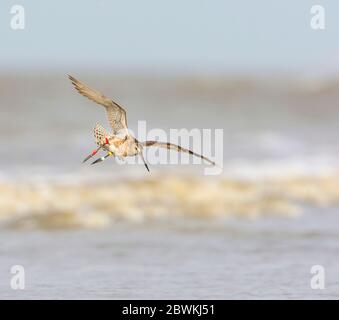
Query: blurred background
(257, 70)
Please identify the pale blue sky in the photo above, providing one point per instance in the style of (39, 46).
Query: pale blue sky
(179, 35)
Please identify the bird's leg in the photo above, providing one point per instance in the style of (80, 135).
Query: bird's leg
(103, 158)
(94, 152)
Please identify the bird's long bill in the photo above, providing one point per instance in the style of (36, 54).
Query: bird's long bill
(91, 155)
(143, 159)
(102, 158)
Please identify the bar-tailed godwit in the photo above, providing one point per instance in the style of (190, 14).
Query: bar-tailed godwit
(120, 143)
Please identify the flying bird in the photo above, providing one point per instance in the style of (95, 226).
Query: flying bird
(120, 143)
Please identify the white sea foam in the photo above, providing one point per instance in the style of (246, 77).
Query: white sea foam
(92, 201)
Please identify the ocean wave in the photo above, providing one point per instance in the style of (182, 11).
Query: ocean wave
(95, 204)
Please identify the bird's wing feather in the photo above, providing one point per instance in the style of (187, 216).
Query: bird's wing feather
(171, 146)
(116, 114)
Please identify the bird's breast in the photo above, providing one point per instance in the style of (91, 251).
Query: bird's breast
(119, 147)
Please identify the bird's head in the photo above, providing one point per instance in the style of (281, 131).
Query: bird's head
(135, 148)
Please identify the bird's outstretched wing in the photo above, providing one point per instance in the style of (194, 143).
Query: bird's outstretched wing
(171, 146)
(116, 114)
